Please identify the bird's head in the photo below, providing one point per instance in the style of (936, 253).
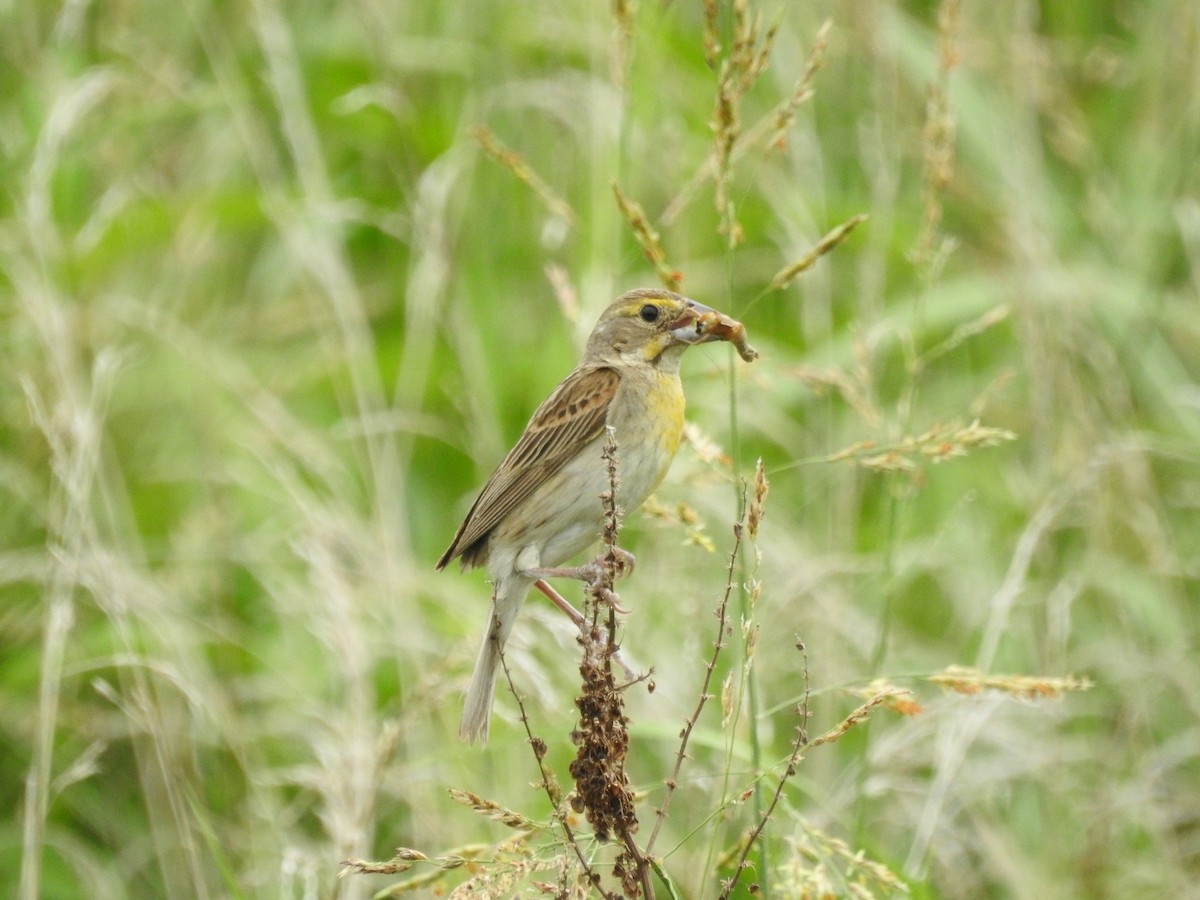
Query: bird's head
(652, 325)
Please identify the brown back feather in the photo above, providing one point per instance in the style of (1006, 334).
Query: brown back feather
(568, 420)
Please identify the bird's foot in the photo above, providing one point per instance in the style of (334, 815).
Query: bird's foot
(591, 573)
(626, 562)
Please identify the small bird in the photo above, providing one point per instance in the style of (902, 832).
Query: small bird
(541, 506)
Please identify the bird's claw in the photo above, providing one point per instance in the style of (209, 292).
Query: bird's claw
(610, 599)
(626, 562)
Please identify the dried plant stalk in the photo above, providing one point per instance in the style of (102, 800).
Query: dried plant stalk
(785, 275)
(747, 60)
(758, 503)
(860, 715)
(938, 138)
(799, 744)
(602, 791)
(647, 239)
(492, 810)
(781, 119)
(966, 680)
(722, 613)
(515, 163)
(712, 40)
(731, 140)
(624, 12)
(938, 444)
(550, 785)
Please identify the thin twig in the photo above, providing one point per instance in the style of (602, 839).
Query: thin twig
(799, 743)
(672, 783)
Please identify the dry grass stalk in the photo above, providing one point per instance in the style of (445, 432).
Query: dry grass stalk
(498, 880)
(757, 508)
(967, 680)
(731, 146)
(799, 744)
(825, 866)
(747, 60)
(853, 387)
(887, 696)
(497, 868)
(564, 292)
(937, 141)
(647, 239)
(751, 47)
(602, 790)
(625, 14)
(712, 38)
(492, 810)
(783, 116)
(456, 858)
(938, 444)
(785, 275)
(722, 615)
(725, 125)
(897, 699)
(396, 865)
(515, 163)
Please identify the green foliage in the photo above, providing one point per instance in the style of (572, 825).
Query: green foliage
(271, 314)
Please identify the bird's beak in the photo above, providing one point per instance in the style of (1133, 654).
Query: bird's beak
(698, 324)
(690, 328)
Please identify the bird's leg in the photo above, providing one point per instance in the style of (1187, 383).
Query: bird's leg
(561, 602)
(578, 618)
(590, 573)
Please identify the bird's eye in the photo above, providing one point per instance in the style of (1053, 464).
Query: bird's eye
(649, 313)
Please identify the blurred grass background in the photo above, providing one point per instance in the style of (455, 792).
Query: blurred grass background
(271, 315)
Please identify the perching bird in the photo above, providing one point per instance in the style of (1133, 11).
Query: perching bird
(541, 506)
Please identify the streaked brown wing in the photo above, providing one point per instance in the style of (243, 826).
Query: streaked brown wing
(567, 421)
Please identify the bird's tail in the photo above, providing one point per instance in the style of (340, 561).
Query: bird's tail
(477, 710)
